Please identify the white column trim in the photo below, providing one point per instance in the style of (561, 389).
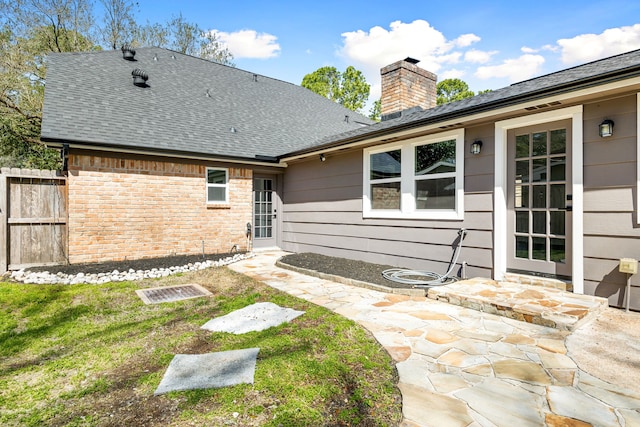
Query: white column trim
(577, 215)
(501, 185)
(638, 158)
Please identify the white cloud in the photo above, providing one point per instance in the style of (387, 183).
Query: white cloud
(466, 40)
(522, 68)
(479, 56)
(250, 44)
(373, 49)
(452, 74)
(589, 47)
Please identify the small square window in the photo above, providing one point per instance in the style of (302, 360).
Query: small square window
(217, 185)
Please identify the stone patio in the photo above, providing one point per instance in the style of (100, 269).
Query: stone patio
(471, 368)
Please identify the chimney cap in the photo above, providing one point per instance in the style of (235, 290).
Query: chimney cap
(411, 60)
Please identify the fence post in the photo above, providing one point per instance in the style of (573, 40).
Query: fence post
(3, 222)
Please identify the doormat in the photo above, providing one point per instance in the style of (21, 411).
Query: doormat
(172, 293)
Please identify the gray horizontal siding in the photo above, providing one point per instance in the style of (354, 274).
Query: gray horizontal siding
(611, 231)
(322, 213)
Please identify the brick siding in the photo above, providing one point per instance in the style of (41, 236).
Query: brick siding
(133, 208)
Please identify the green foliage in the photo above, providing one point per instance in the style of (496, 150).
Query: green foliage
(354, 89)
(119, 24)
(182, 36)
(450, 90)
(376, 110)
(31, 29)
(349, 88)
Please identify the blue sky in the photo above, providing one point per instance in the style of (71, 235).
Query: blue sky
(487, 44)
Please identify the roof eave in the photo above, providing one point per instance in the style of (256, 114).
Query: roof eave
(113, 148)
(586, 83)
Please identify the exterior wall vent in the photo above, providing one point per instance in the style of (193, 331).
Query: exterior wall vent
(128, 52)
(139, 78)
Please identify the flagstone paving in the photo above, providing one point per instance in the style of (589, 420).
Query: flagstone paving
(463, 367)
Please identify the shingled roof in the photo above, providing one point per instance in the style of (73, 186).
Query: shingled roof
(599, 72)
(189, 106)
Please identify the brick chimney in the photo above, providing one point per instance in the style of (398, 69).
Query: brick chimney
(404, 86)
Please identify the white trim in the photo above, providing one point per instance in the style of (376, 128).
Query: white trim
(225, 186)
(638, 157)
(407, 180)
(501, 185)
(577, 215)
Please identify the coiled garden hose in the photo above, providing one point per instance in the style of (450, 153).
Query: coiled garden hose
(403, 276)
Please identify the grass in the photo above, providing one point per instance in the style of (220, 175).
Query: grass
(92, 355)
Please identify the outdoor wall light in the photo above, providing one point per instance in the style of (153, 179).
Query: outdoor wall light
(606, 128)
(322, 158)
(476, 147)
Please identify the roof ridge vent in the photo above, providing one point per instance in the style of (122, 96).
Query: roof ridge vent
(128, 52)
(139, 77)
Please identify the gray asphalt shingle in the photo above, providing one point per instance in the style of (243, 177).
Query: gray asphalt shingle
(90, 98)
(627, 65)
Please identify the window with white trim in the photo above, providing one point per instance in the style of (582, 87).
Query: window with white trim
(420, 178)
(217, 185)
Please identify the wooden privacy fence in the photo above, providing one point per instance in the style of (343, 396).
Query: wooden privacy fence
(33, 218)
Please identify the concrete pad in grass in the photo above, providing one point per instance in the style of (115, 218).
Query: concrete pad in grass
(211, 370)
(255, 317)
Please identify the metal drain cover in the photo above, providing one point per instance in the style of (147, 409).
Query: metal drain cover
(171, 293)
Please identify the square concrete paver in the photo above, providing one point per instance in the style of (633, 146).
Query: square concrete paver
(211, 370)
(255, 317)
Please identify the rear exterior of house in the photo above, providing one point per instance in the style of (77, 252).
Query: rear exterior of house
(200, 154)
(547, 196)
(168, 154)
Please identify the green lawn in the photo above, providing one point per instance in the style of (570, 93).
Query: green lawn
(83, 355)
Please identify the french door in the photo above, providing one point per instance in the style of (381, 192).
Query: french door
(539, 221)
(264, 212)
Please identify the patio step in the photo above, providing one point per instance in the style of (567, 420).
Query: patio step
(545, 282)
(546, 306)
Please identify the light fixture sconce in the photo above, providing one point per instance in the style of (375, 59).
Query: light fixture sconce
(322, 158)
(605, 128)
(476, 146)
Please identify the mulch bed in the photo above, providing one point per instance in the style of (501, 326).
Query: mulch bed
(351, 269)
(348, 268)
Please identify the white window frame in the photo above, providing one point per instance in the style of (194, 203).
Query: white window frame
(225, 186)
(408, 179)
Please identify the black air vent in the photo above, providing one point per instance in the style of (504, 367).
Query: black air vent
(139, 78)
(128, 52)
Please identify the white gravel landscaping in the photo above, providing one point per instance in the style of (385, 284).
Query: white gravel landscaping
(47, 278)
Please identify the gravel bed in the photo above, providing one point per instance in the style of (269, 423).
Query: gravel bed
(123, 270)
